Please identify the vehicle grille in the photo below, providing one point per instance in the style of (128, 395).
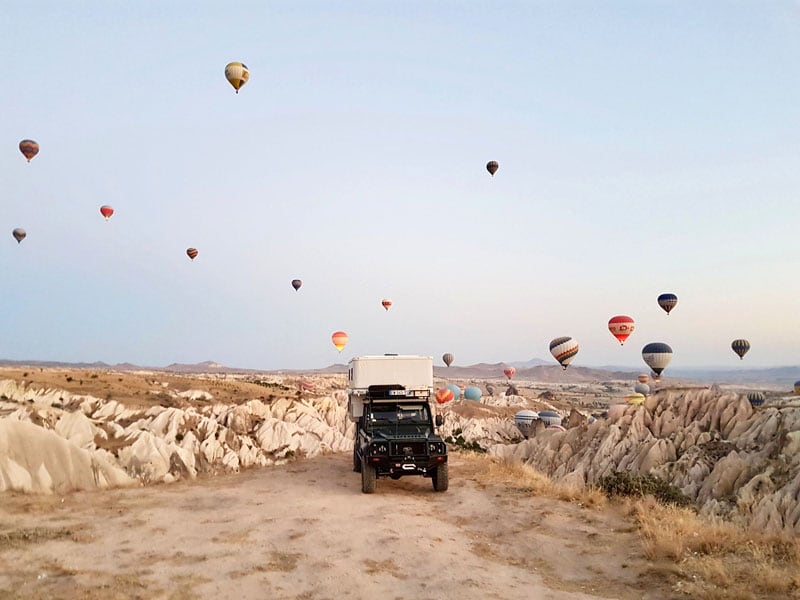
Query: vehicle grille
(417, 448)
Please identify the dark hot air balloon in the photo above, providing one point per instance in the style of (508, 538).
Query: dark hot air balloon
(447, 359)
(492, 167)
(296, 283)
(19, 234)
(564, 350)
(191, 253)
(756, 398)
(29, 149)
(740, 347)
(667, 301)
(657, 356)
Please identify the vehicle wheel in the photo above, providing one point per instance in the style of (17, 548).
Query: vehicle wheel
(368, 478)
(440, 478)
(356, 462)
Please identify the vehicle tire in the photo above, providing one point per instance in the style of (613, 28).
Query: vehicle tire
(368, 478)
(356, 461)
(440, 478)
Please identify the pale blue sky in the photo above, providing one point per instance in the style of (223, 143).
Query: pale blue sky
(644, 147)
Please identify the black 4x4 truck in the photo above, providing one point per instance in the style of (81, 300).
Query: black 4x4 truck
(395, 429)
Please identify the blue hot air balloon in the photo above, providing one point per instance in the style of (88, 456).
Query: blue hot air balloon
(657, 356)
(456, 391)
(473, 393)
(667, 301)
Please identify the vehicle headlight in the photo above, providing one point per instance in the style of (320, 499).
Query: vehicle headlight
(435, 448)
(379, 449)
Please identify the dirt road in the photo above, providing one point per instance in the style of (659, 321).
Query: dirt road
(305, 530)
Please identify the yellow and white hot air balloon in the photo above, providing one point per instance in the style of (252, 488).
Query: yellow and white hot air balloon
(237, 74)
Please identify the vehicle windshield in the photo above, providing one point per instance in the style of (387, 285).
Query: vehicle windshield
(402, 418)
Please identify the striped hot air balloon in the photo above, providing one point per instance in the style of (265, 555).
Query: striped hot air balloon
(667, 301)
(524, 421)
(237, 74)
(621, 327)
(492, 167)
(447, 359)
(191, 253)
(339, 339)
(740, 347)
(564, 350)
(756, 398)
(657, 356)
(29, 149)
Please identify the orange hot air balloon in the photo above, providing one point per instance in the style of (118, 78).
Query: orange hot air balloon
(339, 339)
(621, 327)
(106, 211)
(509, 372)
(29, 149)
(387, 304)
(444, 395)
(644, 378)
(191, 253)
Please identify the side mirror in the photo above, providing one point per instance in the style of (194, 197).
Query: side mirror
(439, 420)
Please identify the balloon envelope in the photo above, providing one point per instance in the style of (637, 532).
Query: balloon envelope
(29, 149)
(444, 395)
(490, 389)
(756, 398)
(524, 421)
(644, 378)
(635, 399)
(667, 301)
(296, 283)
(19, 234)
(237, 74)
(447, 359)
(106, 211)
(473, 393)
(641, 388)
(492, 167)
(740, 347)
(509, 372)
(657, 355)
(564, 350)
(191, 253)
(621, 327)
(339, 339)
(386, 304)
(456, 391)
(797, 387)
(550, 417)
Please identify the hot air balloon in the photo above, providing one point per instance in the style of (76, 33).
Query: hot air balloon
(621, 327)
(473, 392)
(550, 417)
(635, 399)
(29, 149)
(641, 388)
(524, 421)
(444, 395)
(667, 301)
(797, 387)
(492, 167)
(490, 390)
(106, 211)
(386, 304)
(509, 372)
(644, 378)
(657, 356)
(296, 283)
(237, 74)
(740, 347)
(191, 253)
(447, 359)
(756, 398)
(339, 339)
(564, 350)
(456, 391)
(19, 234)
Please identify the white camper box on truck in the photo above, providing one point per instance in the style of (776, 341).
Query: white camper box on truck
(414, 373)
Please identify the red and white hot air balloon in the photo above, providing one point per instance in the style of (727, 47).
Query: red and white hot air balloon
(621, 327)
(106, 211)
(387, 304)
(509, 372)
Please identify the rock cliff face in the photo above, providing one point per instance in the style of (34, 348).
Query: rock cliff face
(53, 441)
(735, 461)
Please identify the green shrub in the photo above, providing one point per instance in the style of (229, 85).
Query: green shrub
(624, 483)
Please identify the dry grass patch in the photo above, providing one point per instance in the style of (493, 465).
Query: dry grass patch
(17, 538)
(718, 560)
(281, 561)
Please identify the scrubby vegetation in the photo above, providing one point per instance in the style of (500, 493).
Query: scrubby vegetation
(625, 483)
(458, 440)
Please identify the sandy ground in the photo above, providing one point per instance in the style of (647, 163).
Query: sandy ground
(305, 530)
